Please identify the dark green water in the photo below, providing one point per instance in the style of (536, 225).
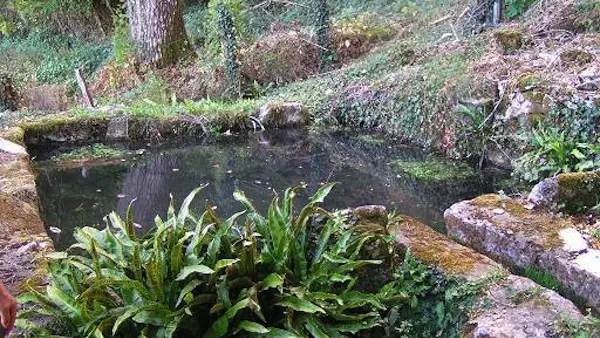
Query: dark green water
(258, 164)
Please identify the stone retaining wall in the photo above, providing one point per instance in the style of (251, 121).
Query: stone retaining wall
(22, 234)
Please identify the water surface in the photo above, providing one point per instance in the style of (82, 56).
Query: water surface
(259, 164)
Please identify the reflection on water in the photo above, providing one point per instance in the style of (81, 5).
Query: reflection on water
(259, 164)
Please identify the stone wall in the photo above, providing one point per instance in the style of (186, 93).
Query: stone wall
(23, 237)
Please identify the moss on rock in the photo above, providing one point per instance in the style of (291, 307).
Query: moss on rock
(579, 191)
(511, 215)
(14, 134)
(576, 57)
(509, 40)
(435, 249)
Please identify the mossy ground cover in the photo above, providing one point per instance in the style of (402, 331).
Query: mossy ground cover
(94, 152)
(435, 169)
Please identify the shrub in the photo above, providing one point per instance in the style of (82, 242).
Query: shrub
(516, 8)
(357, 36)
(280, 57)
(51, 58)
(123, 46)
(153, 90)
(211, 277)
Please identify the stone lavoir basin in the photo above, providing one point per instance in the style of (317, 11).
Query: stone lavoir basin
(76, 193)
(370, 170)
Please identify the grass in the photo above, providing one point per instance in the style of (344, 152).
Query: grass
(543, 278)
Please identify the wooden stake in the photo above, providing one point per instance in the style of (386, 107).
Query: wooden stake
(87, 98)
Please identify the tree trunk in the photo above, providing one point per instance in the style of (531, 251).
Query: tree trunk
(157, 30)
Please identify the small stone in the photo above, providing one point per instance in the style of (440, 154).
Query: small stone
(55, 230)
(573, 240)
(175, 170)
(11, 148)
(545, 193)
(373, 213)
(499, 211)
(26, 247)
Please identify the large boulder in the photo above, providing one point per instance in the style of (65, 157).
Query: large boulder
(284, 115)
(48, 97)
(22, 234)
(572, 191)
(517, 307)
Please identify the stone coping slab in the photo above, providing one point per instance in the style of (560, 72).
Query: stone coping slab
(510, 306)
(507, 230)
(436, 249)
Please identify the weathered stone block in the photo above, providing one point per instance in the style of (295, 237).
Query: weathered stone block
(118, 129)
(527, 238)
(510, 306)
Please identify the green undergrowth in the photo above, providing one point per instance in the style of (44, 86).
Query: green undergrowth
(390, 91)
(435, 169)
(46, 57)
(93, 152)
(295, 272)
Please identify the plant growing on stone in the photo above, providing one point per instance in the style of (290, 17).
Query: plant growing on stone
(212, 277)
(553, 152)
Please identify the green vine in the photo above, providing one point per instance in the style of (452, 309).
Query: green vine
(213, 38)
(327, 56)
(227, 32)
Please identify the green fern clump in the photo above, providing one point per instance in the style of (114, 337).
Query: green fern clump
(245, 275)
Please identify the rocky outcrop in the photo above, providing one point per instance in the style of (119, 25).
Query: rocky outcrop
(509, 231)
(508, 306)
